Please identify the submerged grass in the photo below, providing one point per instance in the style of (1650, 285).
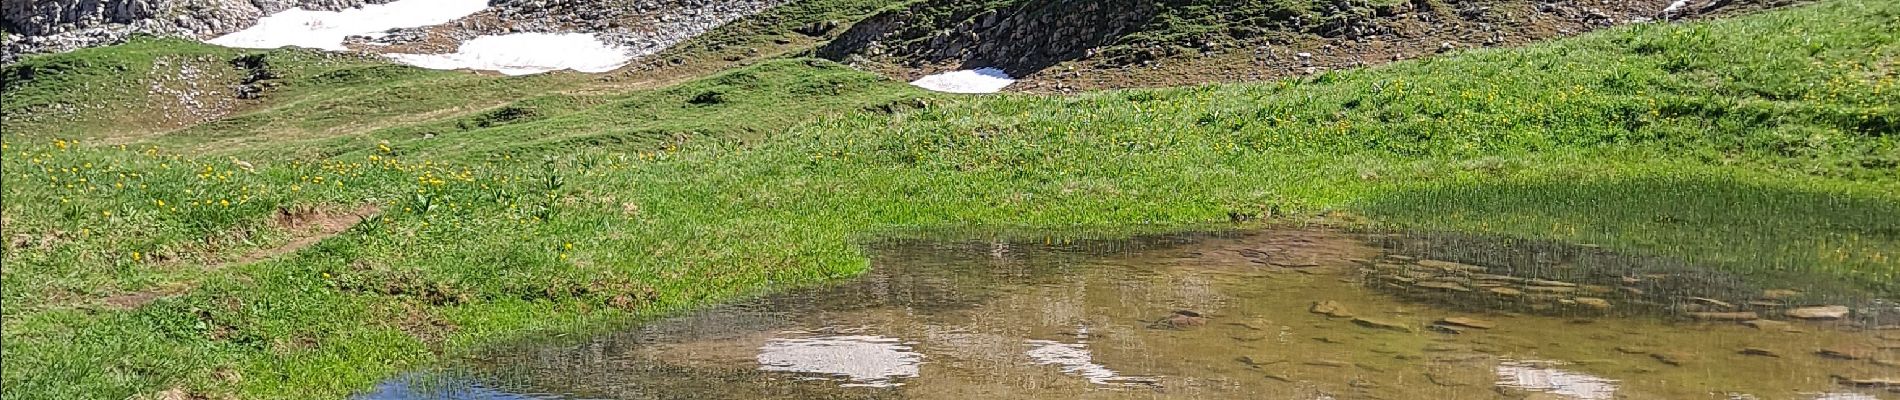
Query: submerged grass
(1762, 144)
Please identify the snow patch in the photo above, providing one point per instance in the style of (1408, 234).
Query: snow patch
(326, 29)
(527, 53)
(1673, 6)
(980, 80)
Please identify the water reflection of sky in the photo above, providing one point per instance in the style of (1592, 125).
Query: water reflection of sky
(858, 360)
(1539, 376)
(1075, 358)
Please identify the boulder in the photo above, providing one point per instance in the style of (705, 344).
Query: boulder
(1846, 352)
(1442, 285)
(1766, 324)
(1381, 324)
(1725, 316)
(1593, 302)
(1674, 358)
(1819, 313)
(1473, 323)
(1330, 308)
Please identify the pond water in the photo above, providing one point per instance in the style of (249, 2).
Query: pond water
(1281, 314)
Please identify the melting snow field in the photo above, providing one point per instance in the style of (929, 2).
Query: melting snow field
(980, 80)
(513, 54)
(326, 29)
(527, 53)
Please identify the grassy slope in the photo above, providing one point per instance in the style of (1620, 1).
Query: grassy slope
(1759, 144)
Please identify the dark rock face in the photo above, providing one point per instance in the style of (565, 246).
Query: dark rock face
(1020, 39)
(35, 26)
(1267, 39)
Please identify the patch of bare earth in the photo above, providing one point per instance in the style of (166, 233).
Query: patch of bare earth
(307, 226)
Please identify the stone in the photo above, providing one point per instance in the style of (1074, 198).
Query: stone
(1546, 282)
(1442, 285)
(1550, 289)
(1451, 266)
(1449, 380)
(1725, 316)
(1446, 329)
(1330, 308)
(1507, 292)
(1712, 302)
(1327, 363)
(1780, 294)
(1674, 358)
(1381, 324)
(1819, 313)
(1256, 362)
(1632, 350)
(1249, 336)
(1869, 382)
(1593, 302)
(1182, 319)
(1473, 323)
(1766, 324)
(1499, 278)
(1757, 351)
(1846, 352)
(1887, 362)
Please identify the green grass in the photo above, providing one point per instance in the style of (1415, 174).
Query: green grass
(1762, 144)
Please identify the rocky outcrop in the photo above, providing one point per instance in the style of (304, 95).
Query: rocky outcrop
(1019, 39)
(1109, 43)
(36, 26)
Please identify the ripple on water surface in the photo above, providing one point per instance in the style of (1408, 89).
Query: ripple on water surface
(1269, 314)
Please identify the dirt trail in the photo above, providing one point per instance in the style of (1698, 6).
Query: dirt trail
(306, 227)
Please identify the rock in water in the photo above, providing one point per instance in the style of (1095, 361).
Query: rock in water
(1381, 324)
(1447, 265)
(1779, 294)
(1442, 285)
(1467, 322)
(1766, 324)
(1757, 351)
(1507, 292)
(1331, 309)
(1179, 320)
(1593, 302)
(1846, 352)
(1869, 382)
(1675, 358)
(1725, 316)
(1819, 313)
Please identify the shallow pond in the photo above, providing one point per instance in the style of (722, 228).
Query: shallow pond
(1285, 314)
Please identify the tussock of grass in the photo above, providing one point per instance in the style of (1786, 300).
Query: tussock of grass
(1761, 144)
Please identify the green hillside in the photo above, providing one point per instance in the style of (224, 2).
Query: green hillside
(219, 259)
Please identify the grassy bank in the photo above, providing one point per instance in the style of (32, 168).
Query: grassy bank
(1762, 144)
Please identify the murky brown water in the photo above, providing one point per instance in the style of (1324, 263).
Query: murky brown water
(1225, 316)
